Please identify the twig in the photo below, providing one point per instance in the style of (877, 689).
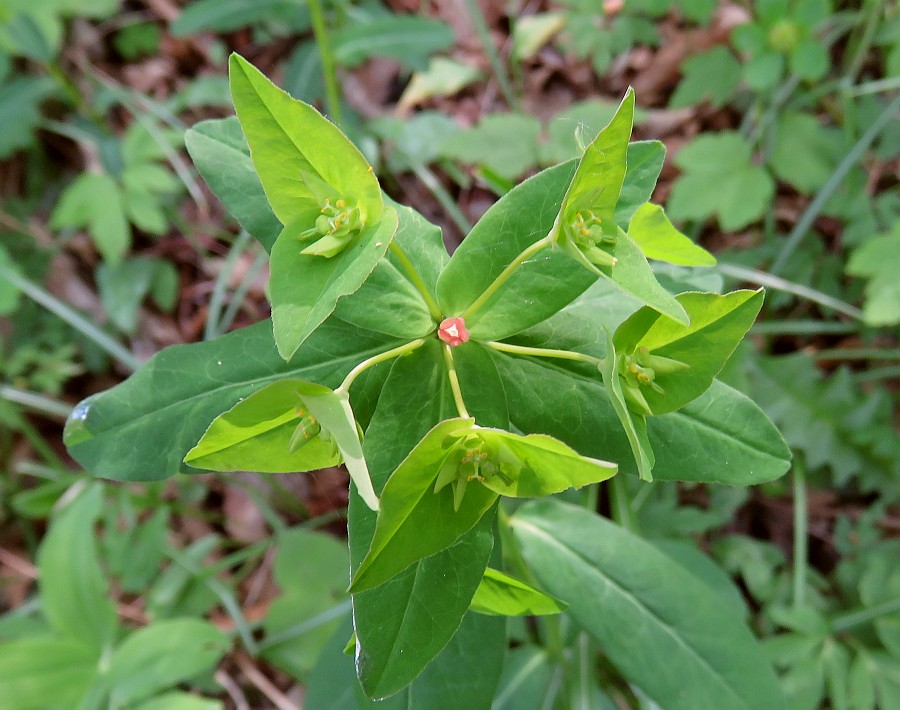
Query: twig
(263, 684)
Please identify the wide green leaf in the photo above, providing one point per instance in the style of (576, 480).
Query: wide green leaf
(222, 156)
(718, 323)
(229, 15)
(720, 437)
(45, 672)
(74, 590)
(162, 655)
(500, 594)
(541, 286)
(657, 237)
(256, 434)
(410, 39)
(480, 384)
(179, 701)
(173, 398)
(403, 624)
(665, 631)
(296, 150)
(305, 288)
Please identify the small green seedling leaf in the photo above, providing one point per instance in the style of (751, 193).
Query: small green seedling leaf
(439, 481)
(502, 595)
(663, 365)
(652, 231)
(290, 425)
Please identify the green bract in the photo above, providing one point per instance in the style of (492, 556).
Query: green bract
(544, 355)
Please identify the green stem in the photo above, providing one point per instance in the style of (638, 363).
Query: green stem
(504, 275)
(417, 281)
(879, 373)
(802, 327)
(454, 383)
(544, 352)
(37, 402)
(493, 56)
(847, 621)
(323, 41)
(857, 354)
(429, 179)
(621, 504)
(865, 42)
(70, 316)
(801, 532)
(216, 300)
(818, 203)
(374, 360)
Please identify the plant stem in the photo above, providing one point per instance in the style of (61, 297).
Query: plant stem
(417, 281)
(621, 504)
(801, 532)
(374, 360)
(37, 402)
(70, 316)
(430, 180)
(865, 42)
(840, 172)
(880, 373)
(844, 622)
(323, 41)
(504, 275)
(544, 352)
(770, 280)
(484, 36)
(210, 328)
(857, 354)
(802, 327)
(454, 383)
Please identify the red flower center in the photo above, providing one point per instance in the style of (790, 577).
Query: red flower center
(453, 331)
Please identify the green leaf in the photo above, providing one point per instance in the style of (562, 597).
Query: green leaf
(305, 288)
(877, 261)
(720, 437)
(20, 101)
(718, 324)
(803, 152)
(124, 287)
(652, 231)
(720, 179)
(311, 571)
(222, 157)
(531, 32)
(500, 594)
(409, 39)
(415, 521)
(73, 588)
(709, 76)
(162, 655)
(9, 294)
(538, 288)
(663, 629)
(504, 143)
(298, 153)
(45, 672)
(404, 623)
(116, 434)
(229, 15)
(480, 384)
(645, 161)
(256, 435)
(94, 201)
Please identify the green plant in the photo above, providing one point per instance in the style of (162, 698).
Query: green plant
(505, 371)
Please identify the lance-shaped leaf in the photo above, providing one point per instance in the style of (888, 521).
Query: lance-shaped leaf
(586, 226)
(270, 431)
(666, 631)
(634, 424)
(666, 364)
(299, 153)
(644, 164)
(305, 288)
(657, 237)
(452, 478)
(260, 433)
(502, 595)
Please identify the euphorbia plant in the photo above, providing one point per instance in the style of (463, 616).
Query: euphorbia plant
(543, 356)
